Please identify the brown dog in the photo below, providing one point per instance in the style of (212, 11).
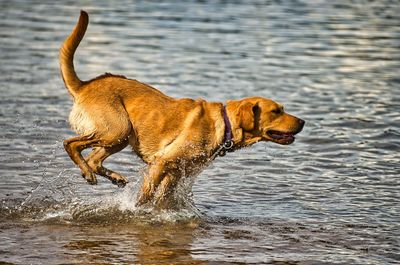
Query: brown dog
(175, 137)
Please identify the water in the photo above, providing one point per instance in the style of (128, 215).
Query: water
(332, 197)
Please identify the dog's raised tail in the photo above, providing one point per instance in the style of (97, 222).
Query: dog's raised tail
(68, 48)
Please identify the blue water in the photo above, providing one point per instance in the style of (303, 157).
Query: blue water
(332, 197)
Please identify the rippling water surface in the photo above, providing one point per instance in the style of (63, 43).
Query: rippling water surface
(332, 197)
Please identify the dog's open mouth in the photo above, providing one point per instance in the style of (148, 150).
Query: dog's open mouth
(281, 137)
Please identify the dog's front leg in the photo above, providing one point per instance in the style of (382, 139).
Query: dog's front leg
(151, 181)
(166, 187)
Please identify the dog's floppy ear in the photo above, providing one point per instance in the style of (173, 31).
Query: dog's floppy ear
(248, 115)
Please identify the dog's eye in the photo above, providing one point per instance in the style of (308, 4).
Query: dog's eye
(277, 111)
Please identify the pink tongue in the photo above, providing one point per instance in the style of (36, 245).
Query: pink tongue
(286, 135)
(282, 135)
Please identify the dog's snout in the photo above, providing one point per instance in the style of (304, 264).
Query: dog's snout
(301, 125)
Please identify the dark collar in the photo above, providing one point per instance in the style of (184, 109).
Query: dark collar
(228, 127)
(227, 144)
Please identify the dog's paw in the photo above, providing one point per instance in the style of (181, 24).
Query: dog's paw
(90, 178)
(117, 179)
(120, 182)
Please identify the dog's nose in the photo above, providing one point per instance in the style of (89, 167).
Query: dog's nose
(301, 124)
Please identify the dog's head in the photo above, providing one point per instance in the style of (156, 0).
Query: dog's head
(260, 119)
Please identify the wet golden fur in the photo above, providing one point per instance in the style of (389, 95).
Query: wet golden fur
(174, 137)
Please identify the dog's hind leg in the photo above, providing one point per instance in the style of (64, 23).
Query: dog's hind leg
(74, 147)
(111, 129)
(96, 158)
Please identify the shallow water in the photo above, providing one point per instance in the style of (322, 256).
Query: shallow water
(332, 197)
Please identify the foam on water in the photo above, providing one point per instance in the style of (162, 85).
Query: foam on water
(56, 200)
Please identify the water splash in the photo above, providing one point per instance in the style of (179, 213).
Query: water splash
(56, 200)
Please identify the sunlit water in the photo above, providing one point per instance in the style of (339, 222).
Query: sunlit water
(332, 196)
